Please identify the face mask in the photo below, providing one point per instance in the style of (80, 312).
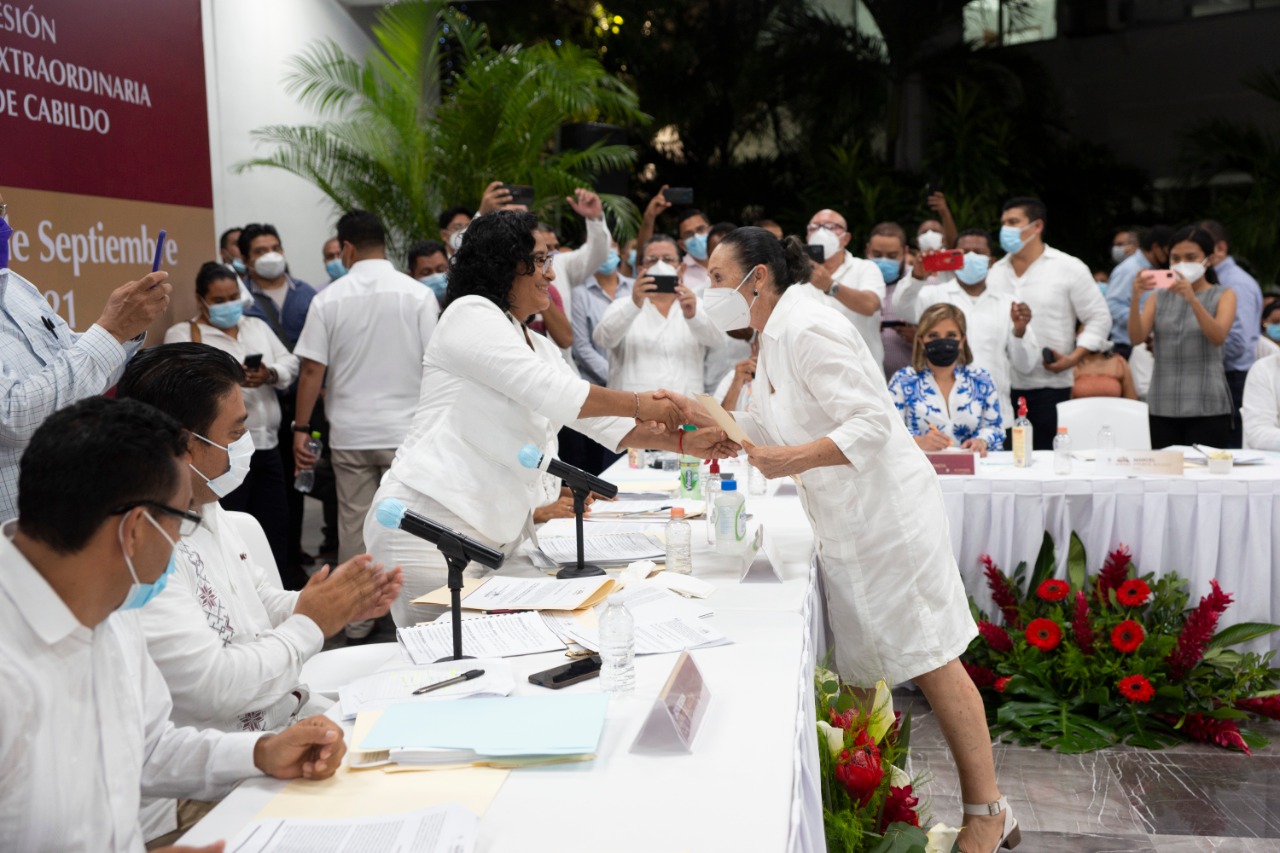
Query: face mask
(929, 241)
(334, 268)
(697, 246)
(225, 315)
(238, 266)
(140, 593)
(610, 264)
(727, 308)
(829, 242)
(631, 260)
(1190, 270)
(6, 231)
(1102, 285)
(239, 453)
(942, 351)
(437, 281)
(270, 266)
(974, 269)
(1011, 239)
(455, 239)
(1118, 253)
(1273, 331)
(890, 269)
(661, 268)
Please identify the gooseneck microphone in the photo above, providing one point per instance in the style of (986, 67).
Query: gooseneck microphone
(393, 513)
(531, 456)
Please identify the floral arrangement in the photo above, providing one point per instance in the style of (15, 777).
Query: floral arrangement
(869, 802)
(1116, 657)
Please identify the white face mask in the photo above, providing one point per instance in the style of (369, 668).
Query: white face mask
(726, 307)
(270, 265)
(1118, 253)
(829, 242)
(455, 239)
(929, 241)
(239, 454)
(661, 268)
(1192, 271)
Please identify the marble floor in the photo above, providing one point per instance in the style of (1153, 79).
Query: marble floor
(1187, 798)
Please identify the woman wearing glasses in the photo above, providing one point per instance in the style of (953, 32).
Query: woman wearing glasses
(490, 387)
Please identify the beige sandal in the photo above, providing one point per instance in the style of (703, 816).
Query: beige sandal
(1011, 835)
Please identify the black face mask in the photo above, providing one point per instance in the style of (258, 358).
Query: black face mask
(942, 351)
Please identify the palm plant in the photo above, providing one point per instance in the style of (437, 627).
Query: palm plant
(404, 141)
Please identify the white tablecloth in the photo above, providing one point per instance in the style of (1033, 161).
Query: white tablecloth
(1200, 525)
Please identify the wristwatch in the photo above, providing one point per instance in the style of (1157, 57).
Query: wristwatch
(297, 427)
(831, 291)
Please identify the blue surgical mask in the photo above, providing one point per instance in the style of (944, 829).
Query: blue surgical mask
(1102, 285)
(974, 269)
(140, 593)
(1011, 239)
(225, 315)
(631, 259)
(335, 269)
(890, 269)
(610, 263)
(437, 281)
(696, 246)
(238, 266)
(1273, 331)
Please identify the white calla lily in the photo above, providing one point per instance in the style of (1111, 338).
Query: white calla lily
(881, 712)
(898, 777)
(834, 737)
(941, 838)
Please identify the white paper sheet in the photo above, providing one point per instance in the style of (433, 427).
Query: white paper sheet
(607, 548)
(650, 603)
(382, 689)
(672, 635)
(490, 637)
(504, 593)
(444, 829)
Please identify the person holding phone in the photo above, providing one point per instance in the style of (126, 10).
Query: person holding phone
(854, 286)
(1189, 399)
(659, 337)
(268, 367)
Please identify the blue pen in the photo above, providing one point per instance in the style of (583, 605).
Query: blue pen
(155, 265)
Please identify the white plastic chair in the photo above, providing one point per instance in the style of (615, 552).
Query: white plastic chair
(259, 548)
(1127, 419)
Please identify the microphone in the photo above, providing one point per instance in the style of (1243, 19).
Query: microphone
(392, 513)
(575, 478)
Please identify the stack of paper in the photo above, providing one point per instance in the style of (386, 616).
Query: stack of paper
(392, 687)
(664, 623)
(449, 828)
(487, 637)
(629, 510)
(505, 593)
(607, 549)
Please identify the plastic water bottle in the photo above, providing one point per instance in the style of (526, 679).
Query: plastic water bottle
(757, 483)
(731, 519)
(305, 481)
(1062, 452)
(679, 543)
(1106, 438)
(617, 648)
(690, 477)
(711, 488)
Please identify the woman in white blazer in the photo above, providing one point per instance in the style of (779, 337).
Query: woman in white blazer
(489, 387)
(821, 413)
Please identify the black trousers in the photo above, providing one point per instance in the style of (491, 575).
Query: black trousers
(1042, 411)
(1214, 431)
(263, 495)
(1235, 381)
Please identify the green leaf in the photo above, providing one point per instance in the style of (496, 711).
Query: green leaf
(1076, 563)
(1240, 633)
(1044, 565)
(902, 838)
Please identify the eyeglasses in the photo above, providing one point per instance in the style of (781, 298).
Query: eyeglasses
(701, 229)
(650, 260)
(829, 226)
(544, 261)
(190, 520)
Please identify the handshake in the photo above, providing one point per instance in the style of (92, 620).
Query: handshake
(666, 412)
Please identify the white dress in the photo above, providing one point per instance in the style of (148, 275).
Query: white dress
(895, 602)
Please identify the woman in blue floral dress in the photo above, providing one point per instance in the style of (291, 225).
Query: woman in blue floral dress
(945, 400)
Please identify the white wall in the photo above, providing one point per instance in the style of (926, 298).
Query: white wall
(247, 47)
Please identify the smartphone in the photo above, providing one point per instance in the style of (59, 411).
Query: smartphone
(946, 260)
(570, 673)
(520, 194)
(1048, 356)
(930, 188)
(253, 362)
(893, 324)
(678, 195)
(817, 254)
(1164, 279)
(666, 283)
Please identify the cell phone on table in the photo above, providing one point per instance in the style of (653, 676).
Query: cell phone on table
(570, 673)
(666, 283)
(254, 361)
(817, 254)
(947, 260)
(520, 194)
(678, 195)
(1164, 279)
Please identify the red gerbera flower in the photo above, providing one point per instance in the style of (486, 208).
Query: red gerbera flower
(981, 676)
(1127, 636)
(1136, 688)
(900, 807)
(997, 638)
(1044, 634)
(1133, 593)
(1080, 624)
(1053, 590)
(1002, 683)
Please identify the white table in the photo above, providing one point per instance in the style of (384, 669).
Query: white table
(751, 782)
(1200, 525)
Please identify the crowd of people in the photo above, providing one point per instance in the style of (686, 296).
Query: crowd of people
(423, 382)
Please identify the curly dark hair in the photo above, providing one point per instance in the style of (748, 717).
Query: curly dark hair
(497, 248)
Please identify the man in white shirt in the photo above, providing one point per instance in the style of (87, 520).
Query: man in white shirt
(1062, 294)
(368, 330)
(656, 340)
(854, 286)
(220, 323)
(103, 495)
(694, 230)
(1261, 410)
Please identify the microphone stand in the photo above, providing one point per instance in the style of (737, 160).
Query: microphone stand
(583, 569)
(455, 554)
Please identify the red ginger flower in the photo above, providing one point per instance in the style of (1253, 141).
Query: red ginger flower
(1127, 636)
(981, 676)
(859, 769)
(1197, 631)
(900, 807)
(1113, 573)
(1263, 706)
(1053, 590)
(1044, 634)
(1133, 593)
(1003, 592)
(1003, 682)
(1136, 688)
(1224, 733)
(1080, 624)
(843, 721)
(997, 638)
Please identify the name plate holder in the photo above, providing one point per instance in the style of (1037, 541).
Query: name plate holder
(757, 563)
(1140, 463)
(677, 713)
(962, 463)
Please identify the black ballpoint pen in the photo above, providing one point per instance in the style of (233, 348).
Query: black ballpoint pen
(466, 676)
